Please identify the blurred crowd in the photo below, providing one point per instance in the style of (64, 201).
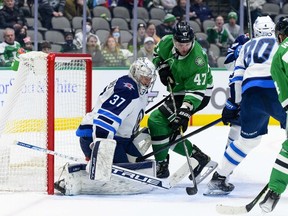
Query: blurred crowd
(113, 46)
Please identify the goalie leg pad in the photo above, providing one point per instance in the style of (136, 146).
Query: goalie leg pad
(100, 164)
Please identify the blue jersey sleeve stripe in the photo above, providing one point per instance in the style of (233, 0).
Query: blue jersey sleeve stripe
(230, 159)
(84, 133)
(239, 68)
(237, 78)
(110, 115)
(238, 151)
(104, 125)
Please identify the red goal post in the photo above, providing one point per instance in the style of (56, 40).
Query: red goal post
(50, 95)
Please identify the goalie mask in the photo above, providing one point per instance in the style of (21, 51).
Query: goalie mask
(143, 72)
(264, 26)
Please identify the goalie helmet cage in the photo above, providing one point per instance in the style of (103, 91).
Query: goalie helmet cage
(48, 99)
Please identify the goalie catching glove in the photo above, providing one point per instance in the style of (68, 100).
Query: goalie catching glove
(230, 112)
(165, 74)
(181, 120)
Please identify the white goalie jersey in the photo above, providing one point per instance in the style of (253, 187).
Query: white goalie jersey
(118, 111)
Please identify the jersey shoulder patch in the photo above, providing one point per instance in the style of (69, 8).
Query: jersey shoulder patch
(127, 87)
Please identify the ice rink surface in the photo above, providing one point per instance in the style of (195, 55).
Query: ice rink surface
(249, 178)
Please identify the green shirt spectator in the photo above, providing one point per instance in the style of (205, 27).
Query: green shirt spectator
(219, 35)
(8, 48)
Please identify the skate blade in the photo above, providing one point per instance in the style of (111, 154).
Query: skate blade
(215, 193)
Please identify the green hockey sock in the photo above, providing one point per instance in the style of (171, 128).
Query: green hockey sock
(279, 175)
(179, 148)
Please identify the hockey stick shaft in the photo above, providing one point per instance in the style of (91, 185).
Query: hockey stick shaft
(190, 190)
(157, 104)
(119, 171)
(234, 210)
(180, 139)
(249, 18)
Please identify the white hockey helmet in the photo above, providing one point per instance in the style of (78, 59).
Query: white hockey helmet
(143, 72)
(264, 26)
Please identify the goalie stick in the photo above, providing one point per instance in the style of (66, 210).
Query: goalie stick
(234, 210)
(123, 172)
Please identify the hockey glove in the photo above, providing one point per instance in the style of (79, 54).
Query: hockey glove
(165, 72)
(230, 112)
(181, 120)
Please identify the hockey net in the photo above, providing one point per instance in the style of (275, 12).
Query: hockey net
(48, 98)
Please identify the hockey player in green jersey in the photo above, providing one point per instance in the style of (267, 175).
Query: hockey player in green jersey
(279, 71)
(181, 59)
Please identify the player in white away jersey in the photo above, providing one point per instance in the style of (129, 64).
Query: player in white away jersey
(253, 91)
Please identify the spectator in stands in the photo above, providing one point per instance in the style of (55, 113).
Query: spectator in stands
(129, 4)
(141, 30)
(232, 28)
(8, 48)
(212, 60)
(167, 26)
(255, 10)
(115, 32)
(21, 35)
(78, 40)
(93, 48)
(147, 50)
(12, 17)
(113, 56)
(202, 11)
(21, 5)
(74, 8)
(27, 47)
(94, 3)
(68, 46)
(45, 47)
(179, 11)
(50, 8)
(168, 5)
(219, 35)
(151, 32)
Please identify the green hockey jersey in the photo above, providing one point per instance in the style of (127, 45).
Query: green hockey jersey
(191, 73)
(279, 72)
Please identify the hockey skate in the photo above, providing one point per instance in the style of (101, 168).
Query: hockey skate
(204, 161)
(163, 168)
(218, 186)
(269, 202)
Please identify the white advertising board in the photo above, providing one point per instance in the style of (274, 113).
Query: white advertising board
(102, 77)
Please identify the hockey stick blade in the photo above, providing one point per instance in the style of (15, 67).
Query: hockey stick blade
(234, 210)
(191, 190)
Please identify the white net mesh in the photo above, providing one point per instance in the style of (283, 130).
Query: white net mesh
(24, 118)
